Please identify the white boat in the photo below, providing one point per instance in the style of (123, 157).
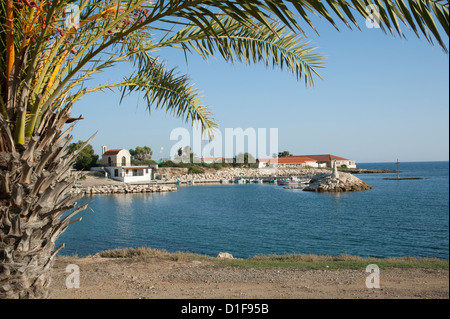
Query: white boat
(305, 181)
(293, 180)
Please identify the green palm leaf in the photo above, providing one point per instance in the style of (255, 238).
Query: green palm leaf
(239, 31)
(394, 15)
(273, 47)
(162, 89)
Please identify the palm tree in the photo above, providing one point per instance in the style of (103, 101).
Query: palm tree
(47, 60)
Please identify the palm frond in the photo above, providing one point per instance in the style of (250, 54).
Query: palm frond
(424, 17)
(164, 89)
(246, 31)
(252, 45)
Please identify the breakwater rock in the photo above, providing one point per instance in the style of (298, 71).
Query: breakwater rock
(124, 189)
(346, 182)
(229, 174)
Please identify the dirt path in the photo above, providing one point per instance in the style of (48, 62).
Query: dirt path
(105, 278)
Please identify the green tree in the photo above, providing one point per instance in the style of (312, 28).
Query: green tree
(284, 154)
(142, 153)
(46, 63)
(244, 159)
(86, 158)
(196, 170)
(184, 155)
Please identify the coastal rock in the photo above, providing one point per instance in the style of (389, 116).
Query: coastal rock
(345, 183)
(115, 189)
(228, 175)
(171, 172)
(224, 256)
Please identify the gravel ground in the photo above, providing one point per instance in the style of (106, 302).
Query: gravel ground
(113, 278)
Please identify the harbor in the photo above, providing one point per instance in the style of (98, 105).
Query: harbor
(307, 179)
(249, 219)
(95, 183)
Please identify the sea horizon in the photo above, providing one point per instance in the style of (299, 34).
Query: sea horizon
(395, 161)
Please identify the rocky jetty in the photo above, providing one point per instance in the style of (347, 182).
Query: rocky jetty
(123, 189)
(229, 174)
(346, 182)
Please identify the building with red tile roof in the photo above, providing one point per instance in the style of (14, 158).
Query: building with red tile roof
(324, 160)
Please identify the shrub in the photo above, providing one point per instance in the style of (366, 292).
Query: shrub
(196, 170)
(86, 158)
(216, 166)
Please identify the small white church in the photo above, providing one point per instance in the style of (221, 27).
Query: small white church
(117, 163)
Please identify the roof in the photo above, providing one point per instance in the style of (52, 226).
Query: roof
(295, 159)
(286, 160)
(326, 158)
(298, 159)
(135, 167)
(112, 152)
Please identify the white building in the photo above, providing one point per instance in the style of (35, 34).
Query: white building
(286, 162)
(294, 161)
(117, 163)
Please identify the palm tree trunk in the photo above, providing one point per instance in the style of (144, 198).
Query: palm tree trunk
(35, 192)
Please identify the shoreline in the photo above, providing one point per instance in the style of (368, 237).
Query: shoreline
(95, 183)
(146, 273)
(298, 260)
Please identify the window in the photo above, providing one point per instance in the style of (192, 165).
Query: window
(109, 161)
(138, 172)
(124, 161)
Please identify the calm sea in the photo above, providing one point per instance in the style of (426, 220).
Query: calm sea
(395, 218)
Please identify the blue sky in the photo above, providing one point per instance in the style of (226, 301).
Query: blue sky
(381, 98)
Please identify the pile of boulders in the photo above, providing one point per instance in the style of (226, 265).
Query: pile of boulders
(346, 182)
(124, 189)
(229, 174)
